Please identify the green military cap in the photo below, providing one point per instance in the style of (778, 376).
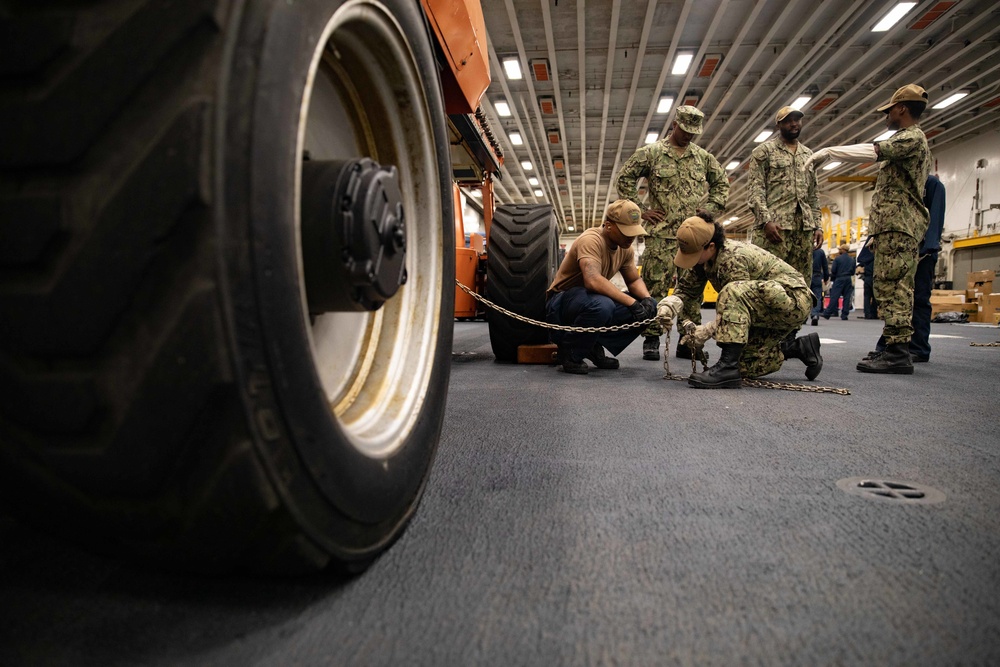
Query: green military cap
(690, 119)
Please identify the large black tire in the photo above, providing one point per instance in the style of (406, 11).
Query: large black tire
(164, 390)
(522, 260)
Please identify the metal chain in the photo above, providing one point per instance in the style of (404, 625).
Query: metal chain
(996, 344)
(765, 384)
(546, 325)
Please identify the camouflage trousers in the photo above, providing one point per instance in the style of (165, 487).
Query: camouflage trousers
(796, 248)
(658, 274)
(892, 282)
(759, 314)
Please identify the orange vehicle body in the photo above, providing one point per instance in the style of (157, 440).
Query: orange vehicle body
(461, 33)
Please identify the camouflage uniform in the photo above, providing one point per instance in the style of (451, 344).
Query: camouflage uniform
(761, 300)
(678, 186)
(897, 222)
(783, 191)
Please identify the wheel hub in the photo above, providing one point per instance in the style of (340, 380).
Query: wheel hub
(353, 234)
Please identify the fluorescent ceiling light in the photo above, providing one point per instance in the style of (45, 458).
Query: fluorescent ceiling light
(681, 63)
(948, 101)
(512, 67)
(652, 136)
(664, 105)
(726, 223)
(539, 193)
(800, 103)
(885, 135)
(571, 228)
(763, 136)
(734, 218)
(532, 181)
(526, 166)
(477, 193)
(515, 138)
(893, 17)
(831, 165)
(503, 109)
(732, 165)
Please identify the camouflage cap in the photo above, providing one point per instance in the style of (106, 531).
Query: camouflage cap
(692, 237)
(690, 119)
(627, 216)
(911, 92)
(784, 112)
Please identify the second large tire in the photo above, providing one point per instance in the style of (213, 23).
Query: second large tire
(522, 260)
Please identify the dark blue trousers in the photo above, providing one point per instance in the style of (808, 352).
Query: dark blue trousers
(578, 307)
(817, 289)
(868, 298)
(842, 287)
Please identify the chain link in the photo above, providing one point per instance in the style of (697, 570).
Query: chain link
(764, 384)
(996, 344)
(546, 325)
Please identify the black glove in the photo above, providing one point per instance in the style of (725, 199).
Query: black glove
(643, 309)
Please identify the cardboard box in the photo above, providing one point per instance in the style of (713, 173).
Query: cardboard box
(971, 308)
(988, 308)
(987, 276)
(954, 299)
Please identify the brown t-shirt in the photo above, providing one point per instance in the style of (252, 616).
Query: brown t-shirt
(590, 244)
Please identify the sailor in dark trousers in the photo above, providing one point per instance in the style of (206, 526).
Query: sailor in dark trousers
(820, 274)
(842, 273)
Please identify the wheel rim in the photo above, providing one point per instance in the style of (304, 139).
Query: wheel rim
(365, 98)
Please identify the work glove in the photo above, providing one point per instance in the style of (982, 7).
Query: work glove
(697, 335)
(854, 153)
(669, 308)
(643, 309)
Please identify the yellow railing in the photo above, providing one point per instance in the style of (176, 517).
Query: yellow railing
(845, 231)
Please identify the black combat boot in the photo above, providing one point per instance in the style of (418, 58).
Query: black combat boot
(894, 359)
(564, 359)
(601, 360)
(651, 348)
(805, 348)
(683, 351)
(724, 374)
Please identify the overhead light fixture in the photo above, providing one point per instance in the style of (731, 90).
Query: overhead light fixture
(512, 67)
(652, 136)
(539, 193)
(515, 139)
(477, 193)
(540, 68)
(571, 228)
(885, 135)
(732, 165)
(526, 166)
(664, 105)
(734, 218)
(951, 99)
(503, 109)
(763, 136)
(532, 181)
(709, 65)
(726, 223)
(681, 63)
(800, 103)
(893, 17)
(831, 165)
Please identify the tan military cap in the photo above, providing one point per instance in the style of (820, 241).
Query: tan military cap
(784, 112)
(627, 216)
(692, 237)
(690, 119)
(911, 92)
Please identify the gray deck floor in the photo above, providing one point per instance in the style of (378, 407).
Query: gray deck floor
(616, 518)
